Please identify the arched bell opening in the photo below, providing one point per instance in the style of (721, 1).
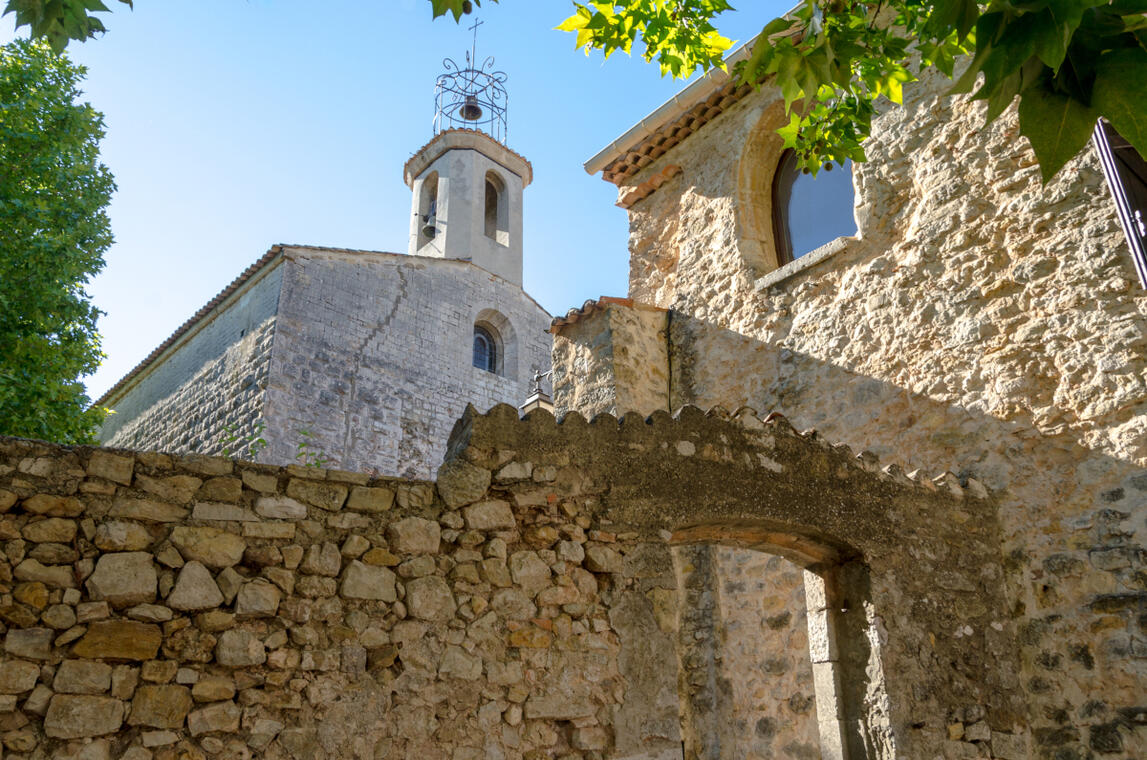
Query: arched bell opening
(496, 219)
(428, 210)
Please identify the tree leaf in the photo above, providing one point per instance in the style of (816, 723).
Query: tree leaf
(1056, 126)
(1120, 94)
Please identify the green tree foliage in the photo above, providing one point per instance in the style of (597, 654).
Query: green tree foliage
(59, 21)
(1069, 62)
(53, 233)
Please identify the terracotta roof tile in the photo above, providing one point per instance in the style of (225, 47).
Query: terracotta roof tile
(589, 307)
(658, 143)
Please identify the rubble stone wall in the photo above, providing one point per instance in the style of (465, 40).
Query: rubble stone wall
(524, 605)
(980, 321)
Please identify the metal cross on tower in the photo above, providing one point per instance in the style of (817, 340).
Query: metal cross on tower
(474, 46)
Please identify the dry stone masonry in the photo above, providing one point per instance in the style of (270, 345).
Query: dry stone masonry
(534, 602)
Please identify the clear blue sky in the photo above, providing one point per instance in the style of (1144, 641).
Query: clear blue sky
(236, 125)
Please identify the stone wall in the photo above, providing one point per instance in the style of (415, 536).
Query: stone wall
(526, 605)
(373, 356)
(618, 361)
(222, 400)
(747, 631)
(980, 322)
(211, 377)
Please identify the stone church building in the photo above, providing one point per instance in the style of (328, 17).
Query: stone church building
(363, 358)
(880, 496)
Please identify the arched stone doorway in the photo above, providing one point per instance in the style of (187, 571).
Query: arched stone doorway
(908, 568)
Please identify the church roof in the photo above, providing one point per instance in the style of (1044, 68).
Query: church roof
(263, 261)
(180, 331)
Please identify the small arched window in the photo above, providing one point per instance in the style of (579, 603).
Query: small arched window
(485, 350)
(497, 218)
(810, 211)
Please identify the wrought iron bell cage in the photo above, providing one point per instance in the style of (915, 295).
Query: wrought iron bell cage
(473, 97)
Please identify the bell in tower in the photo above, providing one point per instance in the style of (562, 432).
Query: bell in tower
(467, 184)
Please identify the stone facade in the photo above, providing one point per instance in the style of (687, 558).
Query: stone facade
(363, 357)
(373, 356)
(533, 602)
(979, 321)
(212, 378)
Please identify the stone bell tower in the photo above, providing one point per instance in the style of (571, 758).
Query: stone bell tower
(467, 185)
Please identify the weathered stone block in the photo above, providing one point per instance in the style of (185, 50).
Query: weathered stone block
(76, 717)
(146, 510)
(490, 516)
(430, 599)
(512, 604)
(53, 506)
(227, 489)
(220, 717)
(123, 579)
(257, 598)
(264, 482)
(558, 707)
(219, 512)
(56, 576)
(17, 677)
(458, 663)
(414, 535)
(365, 499)
(50, 530)
(119, 640)
(240, 649)
(82, 677)
(213, 689)
(361, 581)
(515, 471)
(602, 559)
(323, 559)
(195, 589)
(328, 496)
(113, 467)
(160, 706)
(177, 488)
(460, 482)
(529, 572)
(280, 508)
(121, 536)
(30, 643)
(213, 547)
(269, 530)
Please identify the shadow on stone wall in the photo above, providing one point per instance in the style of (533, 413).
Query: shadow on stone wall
(1072, 519)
